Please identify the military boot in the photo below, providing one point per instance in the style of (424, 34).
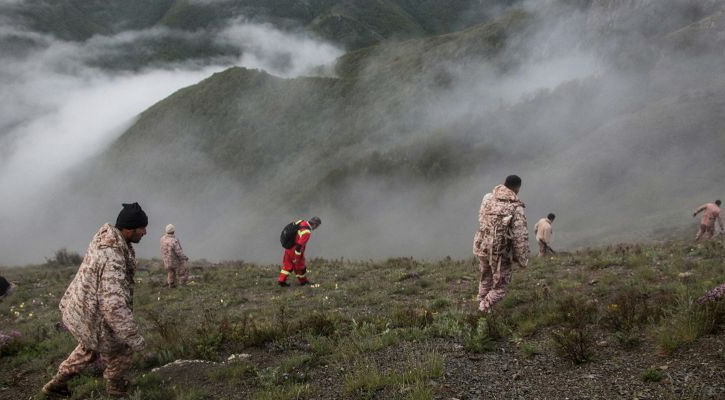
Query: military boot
(117, 387)
(56, 389)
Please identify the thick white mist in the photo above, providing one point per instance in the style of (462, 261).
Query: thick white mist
(57, 111)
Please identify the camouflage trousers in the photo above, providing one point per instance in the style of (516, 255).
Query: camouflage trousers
(116, 364)
(705, 232)
(493, 280)
(542, 248)
(713, 295)
(173, 273)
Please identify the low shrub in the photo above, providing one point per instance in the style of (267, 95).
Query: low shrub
(689, 324)
(573, 344)
(64, 258)
(651, 375)
(410, 317)
(317, 324)
(439, 304)
(364, 381)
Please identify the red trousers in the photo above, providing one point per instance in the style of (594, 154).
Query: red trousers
(289, 265)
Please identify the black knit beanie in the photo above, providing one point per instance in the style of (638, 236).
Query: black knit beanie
(131, 217)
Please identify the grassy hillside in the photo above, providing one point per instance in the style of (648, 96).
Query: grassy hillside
(409, 135)
(609, 322)
(250, 124)
(412, 125)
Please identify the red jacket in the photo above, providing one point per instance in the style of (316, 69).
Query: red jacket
(297, 252)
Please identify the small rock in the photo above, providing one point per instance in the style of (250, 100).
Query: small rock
(593, 282)
(179, 363)
(684, 275)
(602, 343)
(238, 356)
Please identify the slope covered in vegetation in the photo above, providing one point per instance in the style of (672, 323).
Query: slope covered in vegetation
(416, 130)
(607, 322)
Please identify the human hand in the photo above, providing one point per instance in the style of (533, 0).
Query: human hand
(137, 343)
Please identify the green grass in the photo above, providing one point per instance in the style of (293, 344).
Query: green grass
(295, 334)
(366, 379)
(687, 324)
(286, 392)
(651, 375)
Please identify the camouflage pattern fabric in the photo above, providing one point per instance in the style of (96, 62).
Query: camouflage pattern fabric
(97, 306)
(705, 232)
(171, 251)
(710, 215)
(715, 294)
(173, 273)
(502, 238)
(493, 281)
(116, 364)
(174, 259)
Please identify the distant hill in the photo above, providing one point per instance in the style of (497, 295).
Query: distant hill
(397, 150)
(352, 24)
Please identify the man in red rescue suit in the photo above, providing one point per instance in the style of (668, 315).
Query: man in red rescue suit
(294, 258)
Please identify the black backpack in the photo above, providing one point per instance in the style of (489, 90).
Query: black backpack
(289, 234)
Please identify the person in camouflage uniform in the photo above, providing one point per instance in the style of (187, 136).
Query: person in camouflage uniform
(710, 214)
(173, 257)
(502, 238)
(97, 306)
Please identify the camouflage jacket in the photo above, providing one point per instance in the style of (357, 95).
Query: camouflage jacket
(171, 252)
(502, 229)
(97, 306)
(710, 215)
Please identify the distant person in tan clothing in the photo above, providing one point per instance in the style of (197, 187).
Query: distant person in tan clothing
(173, 256)
(544, 234)
(710, 214)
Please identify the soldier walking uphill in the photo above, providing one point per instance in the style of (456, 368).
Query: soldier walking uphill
(97, 306)
(294, 239)
(173, 257)
(502, 238)
(544, 234)
(707, 223)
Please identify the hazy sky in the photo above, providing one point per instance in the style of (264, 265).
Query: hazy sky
(57, 111)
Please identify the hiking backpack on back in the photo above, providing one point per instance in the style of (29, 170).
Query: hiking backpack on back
(289, 234)
(496, 226)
